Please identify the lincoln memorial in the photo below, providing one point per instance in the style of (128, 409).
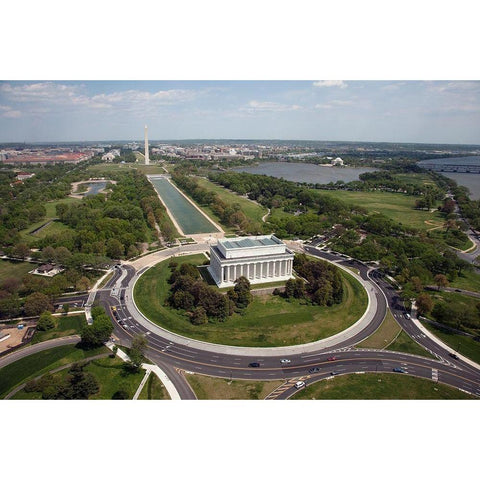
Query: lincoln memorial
(261, 259)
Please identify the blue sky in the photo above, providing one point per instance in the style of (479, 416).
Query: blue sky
(392, 111)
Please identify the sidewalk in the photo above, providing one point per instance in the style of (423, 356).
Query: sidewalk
(172, 391)
(432, 337)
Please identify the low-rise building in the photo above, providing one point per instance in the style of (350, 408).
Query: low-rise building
(261, 259)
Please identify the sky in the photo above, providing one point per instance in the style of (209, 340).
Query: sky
(342, 110)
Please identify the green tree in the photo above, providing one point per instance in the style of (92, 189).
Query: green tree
(115, 248)
(441, 280)
(199, 316)
(36, 303)
(242, 290)
(137, 350)
(46, 321)
(424, 303)
(66, 308)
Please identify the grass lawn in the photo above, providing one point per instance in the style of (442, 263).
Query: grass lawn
(41, 362)
(154, 389)
(467, 281)
(212, 388)
(106, 168)
(112, 377)
(397, 206)
(68, 325)
(267, 322)
(384, 335)
(417, 179)
(466, 346)
(14, 269)
(403, 343)
(252, 210)
(379, 386)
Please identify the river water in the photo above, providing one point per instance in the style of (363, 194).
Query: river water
(306, 172)
(469, 180)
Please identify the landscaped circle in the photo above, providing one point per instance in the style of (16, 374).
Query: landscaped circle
(269, 321)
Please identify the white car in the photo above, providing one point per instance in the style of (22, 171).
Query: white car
(284, 361)
(299, 385)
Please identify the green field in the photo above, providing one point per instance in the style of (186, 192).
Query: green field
(403, 343)
(212, 388)
(40, 363)
(417, 179)
(65, 325)
(14, 269)
(397, 206)
(252, 210)
(103, 169)
(384, 335)
(467, 281)
(379, 386)
(51, 229)
(268, 321)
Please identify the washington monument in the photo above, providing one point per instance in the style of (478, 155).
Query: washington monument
(147, 158)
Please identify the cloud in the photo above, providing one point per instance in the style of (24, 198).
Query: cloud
(8, 112)
(255, 105)
(335, 103)
(52, 95)
(330, 83)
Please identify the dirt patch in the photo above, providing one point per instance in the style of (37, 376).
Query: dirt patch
(16, 337)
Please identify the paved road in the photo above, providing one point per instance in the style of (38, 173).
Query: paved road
(175, 357)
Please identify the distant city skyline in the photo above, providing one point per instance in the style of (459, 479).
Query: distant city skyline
(322, 110)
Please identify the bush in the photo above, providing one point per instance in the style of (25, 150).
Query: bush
(45, 322)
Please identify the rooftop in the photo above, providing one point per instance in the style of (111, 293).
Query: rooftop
(245, 242)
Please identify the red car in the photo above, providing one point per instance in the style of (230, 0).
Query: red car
(331, 359)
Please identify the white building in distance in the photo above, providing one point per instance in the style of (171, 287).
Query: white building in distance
(337, 162)
(261, 259)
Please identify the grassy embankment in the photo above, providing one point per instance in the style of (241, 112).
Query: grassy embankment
(212, 388)
(467, 281)
(39, 363)
(390, 336)
(14, 269)
(379, 386)
(267, 322)
(154, 390)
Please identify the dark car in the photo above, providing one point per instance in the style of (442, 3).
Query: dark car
(454, 355)
(254, 364)
(314, 370)
(399, 370)
(457, 290)
(333, 373)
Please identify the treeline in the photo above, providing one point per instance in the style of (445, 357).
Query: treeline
(323, 284)
(201, 301)
(230, 214)
(111, 225)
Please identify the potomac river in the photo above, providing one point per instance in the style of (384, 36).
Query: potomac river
(306, 172)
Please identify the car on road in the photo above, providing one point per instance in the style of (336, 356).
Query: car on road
(399, 370)
(457, 290)
(254, 365)
(300, 385)
(331, 359)
(453, 355)
(334, 373)
(284, 361)
(314, 370)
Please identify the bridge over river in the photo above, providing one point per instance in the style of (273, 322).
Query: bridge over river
(451, 167)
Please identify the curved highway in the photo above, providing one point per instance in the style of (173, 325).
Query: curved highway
(175, 357)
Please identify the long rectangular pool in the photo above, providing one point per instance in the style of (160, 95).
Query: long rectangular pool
(186, 215)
